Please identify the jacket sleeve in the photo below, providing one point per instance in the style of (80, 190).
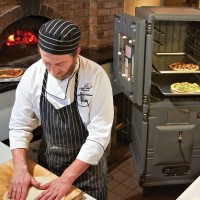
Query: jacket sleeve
(23, 119)
(101, 120)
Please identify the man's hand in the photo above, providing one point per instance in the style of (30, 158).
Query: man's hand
(22, 179)
(59, 187)
(55, 189)
(20, 184)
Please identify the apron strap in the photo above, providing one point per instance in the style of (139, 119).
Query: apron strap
(75, 88)
(44, 82)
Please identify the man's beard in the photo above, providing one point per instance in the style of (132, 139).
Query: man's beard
(63, 75)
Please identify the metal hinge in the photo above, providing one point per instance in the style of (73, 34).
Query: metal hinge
(145, 117)
(149, 28)
(145, 99)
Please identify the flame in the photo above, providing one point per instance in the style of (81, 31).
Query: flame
(11, 38)
(20, 37)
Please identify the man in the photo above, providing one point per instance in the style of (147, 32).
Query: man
(71, 97)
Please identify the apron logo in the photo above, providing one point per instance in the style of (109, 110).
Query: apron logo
(86, 87)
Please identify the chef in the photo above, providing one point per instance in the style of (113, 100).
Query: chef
(71, 98)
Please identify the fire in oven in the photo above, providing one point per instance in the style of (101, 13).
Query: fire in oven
(18, 43)
(157, 66)
(21, 37)
(18, 48)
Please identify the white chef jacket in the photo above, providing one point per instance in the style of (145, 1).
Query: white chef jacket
(95, 101)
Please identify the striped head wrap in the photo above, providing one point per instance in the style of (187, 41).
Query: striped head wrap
(59, 37)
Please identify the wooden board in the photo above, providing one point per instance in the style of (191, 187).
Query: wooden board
(6, 172)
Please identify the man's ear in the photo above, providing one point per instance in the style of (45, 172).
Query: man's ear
(38, 48)
(78, 50)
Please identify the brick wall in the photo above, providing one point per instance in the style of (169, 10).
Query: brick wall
(102, 18)
(93, 17)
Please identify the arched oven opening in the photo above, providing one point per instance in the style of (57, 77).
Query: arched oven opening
(18, 42)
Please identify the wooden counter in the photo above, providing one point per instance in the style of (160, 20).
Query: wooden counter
(6, 171)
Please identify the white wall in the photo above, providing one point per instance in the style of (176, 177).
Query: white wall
(6, 103)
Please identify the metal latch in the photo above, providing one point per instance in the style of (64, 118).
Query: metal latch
(175, 171)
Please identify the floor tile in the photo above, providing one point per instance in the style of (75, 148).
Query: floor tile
(133, 195)
(123, 184)
(112, 184)
(128, 169)
(120, 176)
(120, 166)
(131, 182)
(113, 196)
(121, 190)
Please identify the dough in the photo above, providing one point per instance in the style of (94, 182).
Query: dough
(33, 192)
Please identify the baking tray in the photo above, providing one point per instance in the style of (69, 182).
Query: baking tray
(170, 71)
(6, 80)
(164, 81)
(160, 63)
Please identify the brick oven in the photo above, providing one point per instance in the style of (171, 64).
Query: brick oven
(20, 22)
(93, 17)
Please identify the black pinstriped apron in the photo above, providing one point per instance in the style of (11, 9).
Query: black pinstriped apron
(63, 135)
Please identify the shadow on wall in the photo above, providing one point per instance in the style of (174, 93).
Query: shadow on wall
(129, 5)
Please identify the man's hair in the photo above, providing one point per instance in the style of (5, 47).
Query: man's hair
(72, 53)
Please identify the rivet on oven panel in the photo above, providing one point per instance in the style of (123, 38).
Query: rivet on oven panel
(180, 136)
(198, 115)
(133, 25)
(145, 116)
(145, 99)
(131, 96)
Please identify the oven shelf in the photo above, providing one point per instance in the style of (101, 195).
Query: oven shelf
(170, 71)
(164, 81)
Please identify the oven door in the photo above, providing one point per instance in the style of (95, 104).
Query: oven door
(128, 58)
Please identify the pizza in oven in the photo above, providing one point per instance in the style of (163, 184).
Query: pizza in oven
(179, 66)
(11, 73)
(185, 87)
